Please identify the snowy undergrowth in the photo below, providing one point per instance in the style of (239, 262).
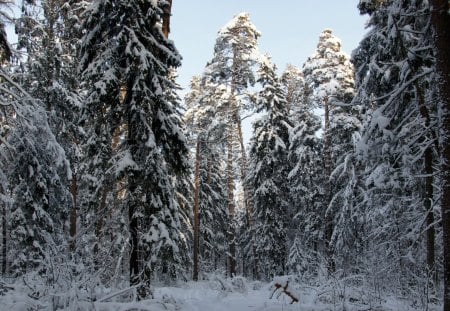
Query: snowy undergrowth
(215, 294)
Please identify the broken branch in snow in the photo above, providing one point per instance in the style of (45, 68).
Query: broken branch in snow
(284, 289)
(121, 292)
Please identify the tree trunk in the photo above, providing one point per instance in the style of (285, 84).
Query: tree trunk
(428, 190)
(327, 196)
(244, 167)
(4, 239)
(134, 252)
(248, 201)
(231, 207)
(430, 232)
(196, 210)
(440, 19)
(73, 213)
(167, 12)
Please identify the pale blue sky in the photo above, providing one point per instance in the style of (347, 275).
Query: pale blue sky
(290, 28)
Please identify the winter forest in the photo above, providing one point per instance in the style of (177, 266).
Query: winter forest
(119, 193)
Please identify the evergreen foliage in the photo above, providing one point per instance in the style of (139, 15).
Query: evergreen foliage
(126, 59)
(394, 66)
(267, 173)
(341, 187)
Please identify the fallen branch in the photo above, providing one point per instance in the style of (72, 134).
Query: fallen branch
(121, 292)
(284, 289)
(5, 288)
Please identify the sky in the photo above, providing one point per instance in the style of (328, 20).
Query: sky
(289, 29)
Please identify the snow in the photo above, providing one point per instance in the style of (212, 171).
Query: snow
(217, 294)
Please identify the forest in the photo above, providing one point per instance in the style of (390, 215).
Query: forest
(119, 193)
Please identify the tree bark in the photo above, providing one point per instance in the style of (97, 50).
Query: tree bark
(248, 201)
(231, 207)
(327, 199)
(4, 239)
(196, 211)
(167, 12)
(73, 213)
(244, 167)
(428, 189)
(134, 258)
(440, 19)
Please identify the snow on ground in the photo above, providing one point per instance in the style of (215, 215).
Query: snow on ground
(201, 297)
(220, 294)
(241, 295)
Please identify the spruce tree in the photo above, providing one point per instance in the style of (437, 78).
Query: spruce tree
(329, 82)
(126, 59)
(48, 33)
(394, 74)
(36, 166)
(306, 181)
(268, 173)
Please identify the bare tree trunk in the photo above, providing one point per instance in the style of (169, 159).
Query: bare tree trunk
(327, 199)
(167, 12)
(440, 19)
(196, 210)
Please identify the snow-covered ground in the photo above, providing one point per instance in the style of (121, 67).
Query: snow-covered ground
(220, 294)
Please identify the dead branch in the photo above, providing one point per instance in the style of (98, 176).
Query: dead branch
(284, 289)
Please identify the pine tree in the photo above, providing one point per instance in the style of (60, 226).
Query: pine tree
(210, 205)
(394, 74)
(329, 80)
(126, 58)
(293, 82)
(268, 173)
(232, 69)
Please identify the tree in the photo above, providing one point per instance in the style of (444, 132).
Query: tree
(441, 24)
(293, 82)
(49, 32)
(126, 58)
(329, 79)
(268, 172)
(5, 49)
(39, 197)
(5, 54)
(232, 67)
(36, 169)
(167, 11)
(210, 223)
(306, 181)
(394, 68)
